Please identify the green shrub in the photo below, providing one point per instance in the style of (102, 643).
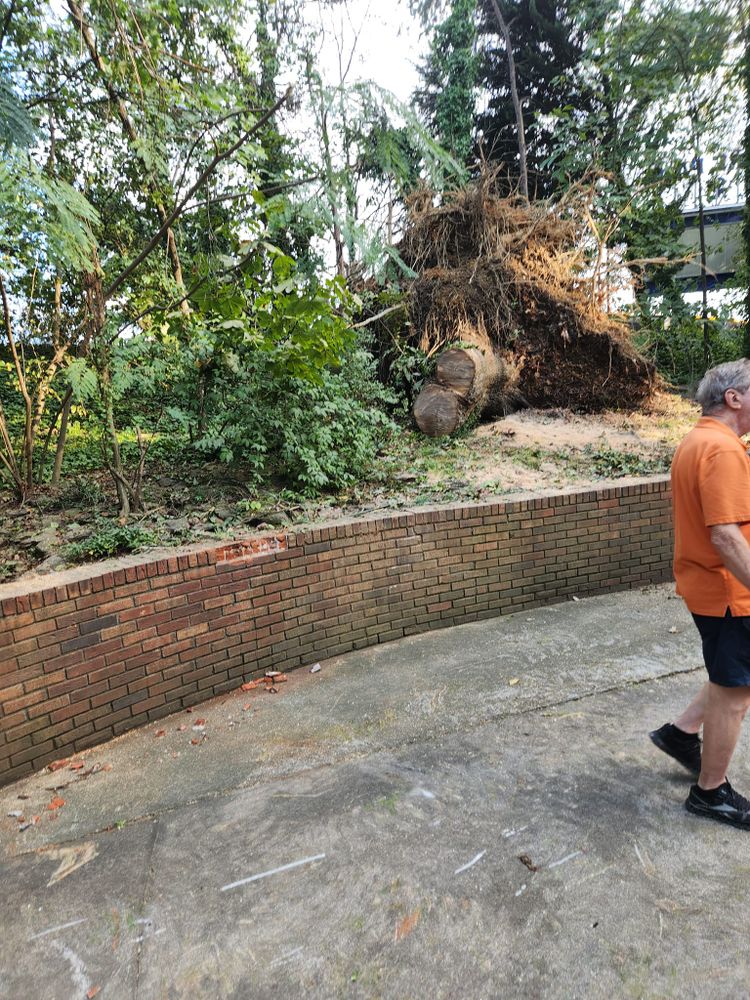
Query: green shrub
(314, 434)
(671, 335)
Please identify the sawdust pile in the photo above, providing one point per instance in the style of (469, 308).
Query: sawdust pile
(513, 275)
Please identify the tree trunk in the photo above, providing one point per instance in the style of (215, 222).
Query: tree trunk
(704, 266)
(524, 175)
(62, 437)
(22, 472)
(101, 354)
(467, 380)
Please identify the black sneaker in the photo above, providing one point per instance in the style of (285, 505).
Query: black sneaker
(722, 804)
(684, 747)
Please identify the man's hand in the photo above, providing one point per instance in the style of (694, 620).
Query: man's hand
(734, 550)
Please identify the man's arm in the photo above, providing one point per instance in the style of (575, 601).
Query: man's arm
(734, 550)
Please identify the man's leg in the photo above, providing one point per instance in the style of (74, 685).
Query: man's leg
(680, 739)
(725, 708)
(692, 718)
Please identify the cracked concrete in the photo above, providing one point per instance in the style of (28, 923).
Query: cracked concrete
(475, 812)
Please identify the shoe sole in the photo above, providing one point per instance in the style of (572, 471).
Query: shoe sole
(716, 816)
(659, 742)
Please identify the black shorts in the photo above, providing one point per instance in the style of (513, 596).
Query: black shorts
(726, 648)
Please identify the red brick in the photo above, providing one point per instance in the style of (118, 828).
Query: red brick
(148, 704)
(40, 754)
(27, 728)
(49, 705)
(24, 702)
(193, 630)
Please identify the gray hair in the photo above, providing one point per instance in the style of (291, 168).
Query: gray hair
(716, 381)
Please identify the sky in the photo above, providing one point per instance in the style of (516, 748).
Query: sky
(387, 44)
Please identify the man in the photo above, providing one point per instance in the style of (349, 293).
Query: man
(711, 501)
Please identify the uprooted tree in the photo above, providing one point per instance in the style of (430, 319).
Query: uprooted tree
(505, 295)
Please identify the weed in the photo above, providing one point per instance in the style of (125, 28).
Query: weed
(81, 491)
(7, 571)
(530, 458)
(250, 506)
(388, 802)
(109, 540)
(609, 462)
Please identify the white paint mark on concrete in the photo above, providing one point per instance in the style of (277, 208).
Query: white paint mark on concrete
(60, 927)
(422, 793)
(522, 890)
(288, 956)
(568, 857)
(470, 864)
(272, 871)
(511, 833)
(77, 968)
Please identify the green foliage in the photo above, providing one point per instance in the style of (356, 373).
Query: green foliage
(671, 334)
(16, 127)
(44, 216)
(408, 370)
(548, 41)
(373, 150)
(450, 78)
(611, 463)
(530, 458)
(659, 100)
(315, 434)
(110, 539)
(329, 433)
(8, 570)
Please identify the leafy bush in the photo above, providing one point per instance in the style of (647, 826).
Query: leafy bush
(408, 372)
(314, 434)
(329, 433)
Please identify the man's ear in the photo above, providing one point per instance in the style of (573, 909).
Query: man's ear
(732, 399)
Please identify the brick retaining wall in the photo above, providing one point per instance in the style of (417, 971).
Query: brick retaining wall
(104, 648)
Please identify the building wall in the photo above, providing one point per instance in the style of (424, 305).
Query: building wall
(102, 649)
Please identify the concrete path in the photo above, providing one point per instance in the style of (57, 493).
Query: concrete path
(473, 813)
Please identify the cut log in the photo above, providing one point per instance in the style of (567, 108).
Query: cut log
(439, 410)
(462, 369)
(464, 379)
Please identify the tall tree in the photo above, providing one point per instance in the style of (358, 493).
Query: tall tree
(448, 95)
(547, 42)
(524, 60)
(144, 124)
(664, 107)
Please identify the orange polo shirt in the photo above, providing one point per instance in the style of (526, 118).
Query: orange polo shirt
(710, 485)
